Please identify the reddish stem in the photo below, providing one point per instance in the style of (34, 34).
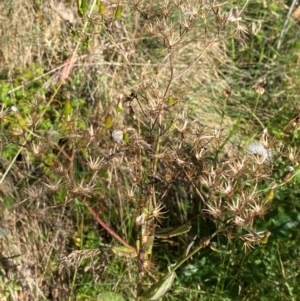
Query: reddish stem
(106, 227)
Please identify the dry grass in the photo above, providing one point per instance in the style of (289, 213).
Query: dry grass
(37, 241)
(45, 39)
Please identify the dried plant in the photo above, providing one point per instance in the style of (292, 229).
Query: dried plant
(139, 150)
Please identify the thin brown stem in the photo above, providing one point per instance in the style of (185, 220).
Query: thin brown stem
(171, 58)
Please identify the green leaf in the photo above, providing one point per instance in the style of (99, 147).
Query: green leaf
(126, 137)
(82, 7)
(68, 107)
(118, 12)
(124, 251)
(166, 233)
(170, 101)
(108, 121)
(159, 289)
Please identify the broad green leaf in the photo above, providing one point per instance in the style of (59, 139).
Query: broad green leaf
(166, 233)
(159, 289)
(124, 251)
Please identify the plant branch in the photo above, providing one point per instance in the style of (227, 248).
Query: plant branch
(106, 227)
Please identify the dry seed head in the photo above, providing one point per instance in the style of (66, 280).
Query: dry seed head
(226, 187)
(36, 149)
(237, 166)
(131, 193)
(255, 28)
(210, 179)
(59, 168)
(29, 121)
(248, 245)
(17, 131)
(83, 189)
(189, 10)
(248, 196)
(264, 138)
(151, 29)
(259, 208)
(94, 164)
(200, 152)
(215, 209)
(34, 192)
(158, 212)
(167, 155)
(233, 15)
(294, 154)
(91, 133)
(169, 175)
(242, 221)
(241, 29)
(181, 124)
(236, 207)
(218, 133)
(53, 186)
